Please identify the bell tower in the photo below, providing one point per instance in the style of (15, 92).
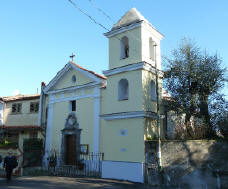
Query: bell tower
(131, 99)
(133, 40)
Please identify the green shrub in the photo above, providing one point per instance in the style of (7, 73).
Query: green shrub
(33, 152)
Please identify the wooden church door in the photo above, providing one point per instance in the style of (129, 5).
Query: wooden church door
(70, 149)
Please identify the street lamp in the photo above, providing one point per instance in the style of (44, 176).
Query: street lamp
(158, 106)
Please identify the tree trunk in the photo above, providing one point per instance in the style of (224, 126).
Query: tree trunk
(204, 113)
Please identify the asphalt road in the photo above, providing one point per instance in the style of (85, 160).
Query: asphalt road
(46, 182)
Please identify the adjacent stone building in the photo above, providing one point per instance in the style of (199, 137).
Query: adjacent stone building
(19, 118)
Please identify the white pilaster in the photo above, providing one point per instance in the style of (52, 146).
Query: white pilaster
(96, 119)
(48, 132)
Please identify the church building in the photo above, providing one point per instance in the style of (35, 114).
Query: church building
(112, 113)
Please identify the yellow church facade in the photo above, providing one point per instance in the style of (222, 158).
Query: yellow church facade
(112, 113)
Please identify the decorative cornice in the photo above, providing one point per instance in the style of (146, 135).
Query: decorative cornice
(55, 100)
(129, 115)
(150, 68)
(57, 77)
(70, 89)
(90, 74)
(95, 94)
(132, 67)
(131, 26)
(123, 29)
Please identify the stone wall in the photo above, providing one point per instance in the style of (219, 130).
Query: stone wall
(190, 164)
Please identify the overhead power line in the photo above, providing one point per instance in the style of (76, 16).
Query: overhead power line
(100, 10)
(110, 18)
(101, 25)
(90, 17)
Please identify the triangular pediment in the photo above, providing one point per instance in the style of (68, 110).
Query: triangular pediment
(73, 75)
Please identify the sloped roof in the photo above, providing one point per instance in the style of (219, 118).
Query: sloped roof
(92, 72)
(21, 127)
(132, 16)
(68, 66)
(19, 97)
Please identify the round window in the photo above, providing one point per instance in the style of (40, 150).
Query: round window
(73, 79)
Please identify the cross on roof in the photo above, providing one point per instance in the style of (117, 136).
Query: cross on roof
(72, 56)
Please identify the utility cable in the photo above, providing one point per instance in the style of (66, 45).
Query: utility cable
(100, 10)
(101, 25)
(94, 20)
(112, 20)
(90, 17)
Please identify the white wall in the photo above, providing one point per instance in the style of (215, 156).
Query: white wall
(130, 171)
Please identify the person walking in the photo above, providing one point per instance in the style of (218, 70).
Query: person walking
(10, 162)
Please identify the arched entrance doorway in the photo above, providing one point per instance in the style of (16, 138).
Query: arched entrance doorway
(70, 146)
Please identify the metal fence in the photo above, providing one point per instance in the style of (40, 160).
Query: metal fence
(88, 165)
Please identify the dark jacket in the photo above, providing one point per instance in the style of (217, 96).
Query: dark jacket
(0, 159)
(10, 162)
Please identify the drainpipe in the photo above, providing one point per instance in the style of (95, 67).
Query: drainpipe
(158, 108)
(41, 105)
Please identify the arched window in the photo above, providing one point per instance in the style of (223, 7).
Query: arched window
(153, 90)
(123, 89)
(151, 49)
(124, 47)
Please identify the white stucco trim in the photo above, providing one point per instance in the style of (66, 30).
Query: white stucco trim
(128, 115)
(48, 131)
(65, 70)
(132, 67)
(131, 171)
(132, 26)
(150, 68)
(57, 77)
(63, 99)
(123, 29)
(96, 120)
(72, 89)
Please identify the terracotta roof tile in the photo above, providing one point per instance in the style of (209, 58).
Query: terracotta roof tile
(21, 127)
(92, 72)
(19, 97)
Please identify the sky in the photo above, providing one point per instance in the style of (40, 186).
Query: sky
(38, 36)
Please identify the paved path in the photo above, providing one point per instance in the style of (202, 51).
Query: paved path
(46, 182)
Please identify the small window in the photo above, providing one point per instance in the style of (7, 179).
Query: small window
(153, 90)
(123, 89)
(73, 105)
(46, 114)
(124, 48)
(16, 108)
(73, 79)
(34, 107)
(152, 49)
